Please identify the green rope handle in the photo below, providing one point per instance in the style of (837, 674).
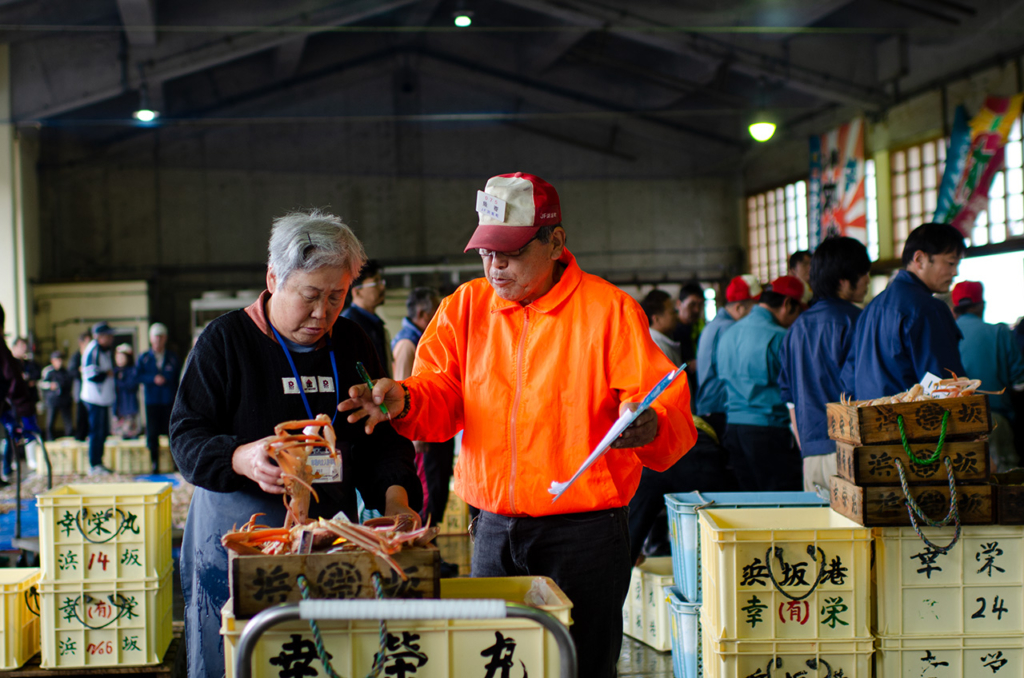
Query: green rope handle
(318, 641)
(938, 448)
(912, 507)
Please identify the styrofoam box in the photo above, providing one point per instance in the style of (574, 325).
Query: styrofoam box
(436, 649)
(19, 635)
(977, 588)
(687, 653)
(105, 531)
(778, 658)
(685, 535)
(105, 623)
(748, 556)
(949, 656)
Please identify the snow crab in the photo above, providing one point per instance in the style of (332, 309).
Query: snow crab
(291, 452)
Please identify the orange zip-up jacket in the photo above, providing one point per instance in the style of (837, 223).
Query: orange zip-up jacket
(536, 388)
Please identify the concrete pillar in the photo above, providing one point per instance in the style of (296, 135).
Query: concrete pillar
(13, 275)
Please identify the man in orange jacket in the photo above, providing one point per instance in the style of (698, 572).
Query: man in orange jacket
(534, 363)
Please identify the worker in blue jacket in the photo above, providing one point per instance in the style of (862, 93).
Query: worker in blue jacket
(815, 350)
(905, 332)
(990, 354)
(757, 436)
(740, 296)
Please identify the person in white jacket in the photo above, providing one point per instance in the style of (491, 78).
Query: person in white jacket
(98, 391)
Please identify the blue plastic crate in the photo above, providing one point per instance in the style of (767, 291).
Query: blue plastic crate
(682, 522)
(686, 646)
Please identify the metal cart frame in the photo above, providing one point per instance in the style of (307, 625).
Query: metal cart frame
(393, 610)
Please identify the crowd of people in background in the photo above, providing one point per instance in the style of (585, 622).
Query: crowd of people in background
(774, 356)
(92, 395)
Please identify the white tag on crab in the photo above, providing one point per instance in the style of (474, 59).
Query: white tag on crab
(928, 382)
(488, 205)
(329, 469)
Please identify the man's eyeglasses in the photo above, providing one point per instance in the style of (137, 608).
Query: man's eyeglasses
(508, 255)
(371, 283)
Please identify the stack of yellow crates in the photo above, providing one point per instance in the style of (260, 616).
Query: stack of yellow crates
(954, 612)
(106, 590)
(19, 618)
(645, 614)
(786, 591)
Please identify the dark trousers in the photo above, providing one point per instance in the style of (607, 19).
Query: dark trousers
(764, 458)
(586, 554)
(437, 467)
(81, 420)
(703, 469)
(158, 421)
(65, 417)
(99, 429)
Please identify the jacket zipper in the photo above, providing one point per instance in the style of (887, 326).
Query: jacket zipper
(515, 409)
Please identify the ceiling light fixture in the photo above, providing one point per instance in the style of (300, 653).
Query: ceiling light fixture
(463, 19)
(761, 129)
(145, 113)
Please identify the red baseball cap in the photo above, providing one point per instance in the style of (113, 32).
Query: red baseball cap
(742, 287)
(512, 208)
(790, 286)
(968, 293)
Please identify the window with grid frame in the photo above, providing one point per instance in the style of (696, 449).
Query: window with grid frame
(916, 176)
(1004, 217)
(776, 227)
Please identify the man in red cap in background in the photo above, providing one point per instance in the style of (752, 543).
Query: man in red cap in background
(990, 353)
(757, 435)
(534, 363)
(740, 296)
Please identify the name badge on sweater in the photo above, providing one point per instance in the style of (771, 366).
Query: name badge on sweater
(325, 469)
(309, 384)
(326, 385)
(291, 385)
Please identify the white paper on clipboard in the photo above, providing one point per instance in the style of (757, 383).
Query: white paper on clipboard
(620, 425)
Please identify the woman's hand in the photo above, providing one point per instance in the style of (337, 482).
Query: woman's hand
(365, 404)
(396, 503)
(253, 461)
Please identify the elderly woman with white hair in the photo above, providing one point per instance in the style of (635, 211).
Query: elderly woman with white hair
(247, 373)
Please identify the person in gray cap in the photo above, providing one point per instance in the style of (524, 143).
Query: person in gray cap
(98, 392)
(158, 370)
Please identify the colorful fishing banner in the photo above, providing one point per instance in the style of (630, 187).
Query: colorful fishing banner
(975, 155)
(835, 192)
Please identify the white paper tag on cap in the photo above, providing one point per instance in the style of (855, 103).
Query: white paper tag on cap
(487, 204)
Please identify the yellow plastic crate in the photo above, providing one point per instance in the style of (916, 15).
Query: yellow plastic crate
(648, 602)
(63, 454)
(131, 457)
(166, 461)
(456, 516)
(818, 558)
(778, 658)
(19, 635)
(105, 531)
(105, 623)
(976, 589)
(437, 649)
(950, 656)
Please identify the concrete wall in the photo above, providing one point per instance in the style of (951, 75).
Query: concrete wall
(190, 209)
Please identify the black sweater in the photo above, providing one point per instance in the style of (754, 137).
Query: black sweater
(233, 392)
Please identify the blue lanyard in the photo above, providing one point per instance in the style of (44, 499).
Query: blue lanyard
(298, 379)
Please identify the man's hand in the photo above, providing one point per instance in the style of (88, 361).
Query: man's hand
(640, 432)
(365, 404)
(253, 461)
(159, 380)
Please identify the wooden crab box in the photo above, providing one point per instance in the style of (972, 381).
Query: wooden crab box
(1010, 496)
(922, 421)
(867, 465)
(258, 582)
(885, 506)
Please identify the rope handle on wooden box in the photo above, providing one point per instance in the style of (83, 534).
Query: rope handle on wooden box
(912, 507)
(938, 447)
(318, 641)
